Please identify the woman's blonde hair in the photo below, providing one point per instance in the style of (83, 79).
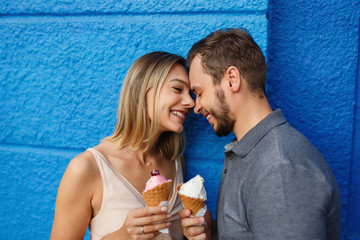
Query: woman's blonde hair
(133, 127)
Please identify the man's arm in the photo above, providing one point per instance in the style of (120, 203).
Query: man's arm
(288, 202)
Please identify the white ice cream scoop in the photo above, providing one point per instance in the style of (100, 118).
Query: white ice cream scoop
(194, 188)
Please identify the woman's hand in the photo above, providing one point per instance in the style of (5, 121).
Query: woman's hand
(143, 223)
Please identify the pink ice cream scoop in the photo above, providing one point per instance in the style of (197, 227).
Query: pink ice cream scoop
(155, 180)
(157, 192)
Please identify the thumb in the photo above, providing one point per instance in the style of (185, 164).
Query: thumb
(184, 213)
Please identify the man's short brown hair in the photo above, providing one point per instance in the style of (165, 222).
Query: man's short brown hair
(232, 47)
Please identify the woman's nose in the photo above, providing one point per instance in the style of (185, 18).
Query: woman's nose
(188, 101)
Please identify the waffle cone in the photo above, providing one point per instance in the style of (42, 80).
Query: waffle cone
(156, 195)
(193, 204)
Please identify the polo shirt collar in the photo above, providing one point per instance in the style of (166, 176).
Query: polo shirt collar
(251, 138)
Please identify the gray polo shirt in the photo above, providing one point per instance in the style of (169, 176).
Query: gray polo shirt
(276, 185)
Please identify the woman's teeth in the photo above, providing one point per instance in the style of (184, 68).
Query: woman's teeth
(178, 114)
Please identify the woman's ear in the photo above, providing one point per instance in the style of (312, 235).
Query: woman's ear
(234, 78)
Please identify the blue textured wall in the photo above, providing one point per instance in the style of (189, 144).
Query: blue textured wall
(313, 55)
(62, 64)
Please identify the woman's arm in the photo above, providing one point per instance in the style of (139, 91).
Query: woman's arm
(73, 208)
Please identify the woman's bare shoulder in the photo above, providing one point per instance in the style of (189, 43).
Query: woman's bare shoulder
(83, 167)
(76, 190)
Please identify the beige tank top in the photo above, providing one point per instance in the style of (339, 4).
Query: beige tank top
(120, 197)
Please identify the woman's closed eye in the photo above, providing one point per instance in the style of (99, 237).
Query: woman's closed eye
(178, 89)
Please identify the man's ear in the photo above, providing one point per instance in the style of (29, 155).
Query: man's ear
(234, 78)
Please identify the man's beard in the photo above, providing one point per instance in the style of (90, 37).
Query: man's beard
(224, 121)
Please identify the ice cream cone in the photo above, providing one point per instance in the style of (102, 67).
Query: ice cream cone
(193, 204)
(153, 197)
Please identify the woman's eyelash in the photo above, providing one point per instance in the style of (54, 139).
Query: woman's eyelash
(177, 89)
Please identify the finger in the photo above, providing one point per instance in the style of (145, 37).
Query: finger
(184, 213)
(196, 231)
(151, 219)
(156, 227)
(148, 235)
(198, 237)
(191, 221)
(148, 211)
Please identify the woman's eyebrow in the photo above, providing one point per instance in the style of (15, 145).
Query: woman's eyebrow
(179, 80)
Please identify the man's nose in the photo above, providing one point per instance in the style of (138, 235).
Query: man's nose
(198, 107)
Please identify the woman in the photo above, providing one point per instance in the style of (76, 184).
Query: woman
(102, 186)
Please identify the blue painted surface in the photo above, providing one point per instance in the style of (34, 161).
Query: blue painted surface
(29, 179)
(62, 64)
(89, 7)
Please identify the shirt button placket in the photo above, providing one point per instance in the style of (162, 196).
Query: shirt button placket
(230, 157)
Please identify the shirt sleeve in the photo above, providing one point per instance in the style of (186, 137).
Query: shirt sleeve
(288, 202)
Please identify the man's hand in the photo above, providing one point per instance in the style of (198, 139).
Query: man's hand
(194, 227)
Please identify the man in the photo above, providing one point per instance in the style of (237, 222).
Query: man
(275, 184)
